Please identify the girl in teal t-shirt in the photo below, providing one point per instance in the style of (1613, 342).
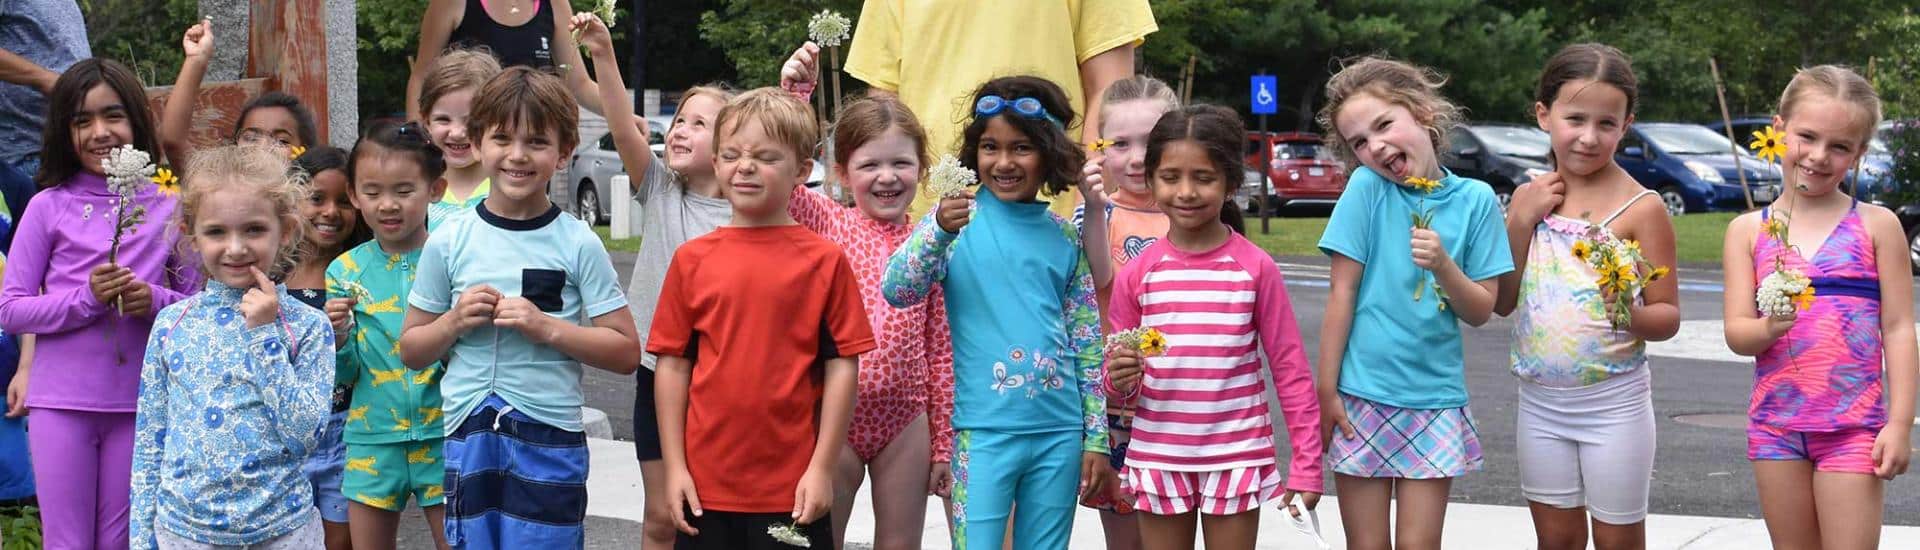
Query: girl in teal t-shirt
(1415, 250)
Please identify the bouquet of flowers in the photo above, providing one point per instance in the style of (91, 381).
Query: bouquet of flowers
(1147, 340)
(948, 179)
(128, 171)
(1784, 291)
(1621, 267)
(789, 534)
(1424, 220)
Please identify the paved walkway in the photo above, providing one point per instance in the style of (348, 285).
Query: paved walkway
(614, 492)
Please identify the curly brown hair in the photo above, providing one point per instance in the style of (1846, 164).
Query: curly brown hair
(1400, 83)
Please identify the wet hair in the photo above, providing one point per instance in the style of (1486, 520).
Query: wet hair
(1413, 87)
(321, 158)
(1060, 157)
(1136, 88)
(407, 140)
(58, 160)
(787, 120)
(1588, 61)
(1219, 131)
(454, 71)
(1834, 82)
(304, 127)
(262, 172)
(867, 118)
(526, 99)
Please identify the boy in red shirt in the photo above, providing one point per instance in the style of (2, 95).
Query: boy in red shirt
(758, 330)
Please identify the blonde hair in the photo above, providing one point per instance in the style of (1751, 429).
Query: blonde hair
(1136, 88)
(454, 71)
(523, 98)
(868, 118)
(717, 91)
(785, 119)
(1413, 87)
(1834, 82)
(260, 171)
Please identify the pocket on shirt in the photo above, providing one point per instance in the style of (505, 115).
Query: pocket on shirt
(544, 287)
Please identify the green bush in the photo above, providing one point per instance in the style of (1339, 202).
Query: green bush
(20, 528)
(1903, 141)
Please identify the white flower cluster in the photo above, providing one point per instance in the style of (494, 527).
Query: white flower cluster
(128, 169)
(789, 534)
(1781, 291)
(604, 9)
(947, 178)
(828, 28)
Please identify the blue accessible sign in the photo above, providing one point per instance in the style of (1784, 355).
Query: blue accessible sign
(1263, 93)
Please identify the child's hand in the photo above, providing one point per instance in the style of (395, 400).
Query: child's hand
(1428, 253)
(108, 282)
(680, 498)
(17, 394)
(1310, 500)
(475, 309)
(340, 314)
(1535, 200)
(1333, 417)
(136, 300)
(1891, 450)
(797, 75)
(592, 33)
(1779, 325)
(1123, 368)
(197, 43)
(954, 212)
(1096, 471)
(1093, 188)
(940, 479)
(520, 314)
(813, 498)
(261, 304)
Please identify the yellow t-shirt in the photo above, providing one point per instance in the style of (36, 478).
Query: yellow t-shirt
(935, 53)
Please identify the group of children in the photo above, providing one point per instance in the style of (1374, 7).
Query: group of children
(788, 346)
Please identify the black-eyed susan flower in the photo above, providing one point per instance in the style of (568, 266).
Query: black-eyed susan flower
(165, 181)
(1768, 144)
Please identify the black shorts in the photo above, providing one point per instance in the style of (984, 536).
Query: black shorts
(743, 531)
(646, 422)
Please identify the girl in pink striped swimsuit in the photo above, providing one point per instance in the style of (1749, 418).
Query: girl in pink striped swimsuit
(1827, 425)
(1201, 439)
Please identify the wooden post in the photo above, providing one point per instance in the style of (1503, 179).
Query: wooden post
(1727, 125)
(1186, 87)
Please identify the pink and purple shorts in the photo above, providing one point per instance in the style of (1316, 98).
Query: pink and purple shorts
(1847, 450)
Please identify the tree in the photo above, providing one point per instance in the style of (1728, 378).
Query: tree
(758, 35)
(143, 34)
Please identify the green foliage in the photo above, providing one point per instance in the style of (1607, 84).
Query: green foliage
(758, 35)
(143, 34)
(20, 528)
(1903, 142)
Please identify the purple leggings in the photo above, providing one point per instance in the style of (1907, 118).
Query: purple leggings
(82, 462)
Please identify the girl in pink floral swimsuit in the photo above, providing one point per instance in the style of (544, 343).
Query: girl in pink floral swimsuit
(1821, 401)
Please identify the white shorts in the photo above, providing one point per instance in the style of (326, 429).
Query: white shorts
(310, 536)
(1590, 446)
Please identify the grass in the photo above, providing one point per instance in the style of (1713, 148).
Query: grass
(1699, 236)
(628, 245)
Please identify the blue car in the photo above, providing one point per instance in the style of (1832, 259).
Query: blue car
(1875, 175)
(1694, 168)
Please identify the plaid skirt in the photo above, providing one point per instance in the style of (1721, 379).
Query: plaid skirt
(1405, 443)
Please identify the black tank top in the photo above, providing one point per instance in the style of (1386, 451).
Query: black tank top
(526, 44)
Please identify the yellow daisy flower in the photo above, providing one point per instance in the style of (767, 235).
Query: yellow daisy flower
(1768, 144)
(1152, 342)
(1100, 144)
(294, 151)
(1423, 184)
(1581, 249)
(1804, 300)
(165, 181)
(1658, 274)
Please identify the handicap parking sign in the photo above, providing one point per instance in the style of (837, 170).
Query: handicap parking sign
(1263, 93)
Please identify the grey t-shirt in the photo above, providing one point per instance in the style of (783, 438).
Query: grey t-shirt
(669, 216)
(52, 34)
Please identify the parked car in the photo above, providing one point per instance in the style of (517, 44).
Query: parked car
(1910, 220)
(1302, 170)
(1876, 167)
(1693, 168)
(1503, 155)
(595, 163)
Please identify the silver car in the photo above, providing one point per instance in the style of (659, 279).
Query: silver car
(596, 162)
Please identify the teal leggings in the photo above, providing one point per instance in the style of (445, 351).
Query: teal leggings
(994, 470)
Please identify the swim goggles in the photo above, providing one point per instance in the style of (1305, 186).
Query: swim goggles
(1026, 107)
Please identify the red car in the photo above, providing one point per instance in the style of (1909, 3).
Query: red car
(1303, 170)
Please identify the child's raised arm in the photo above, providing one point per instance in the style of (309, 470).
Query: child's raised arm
(1748, 332)
(176, 121)
(629, 132)
(1893, 448)
(567, 56)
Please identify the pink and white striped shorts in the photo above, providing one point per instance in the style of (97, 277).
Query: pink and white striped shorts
(1218, 493)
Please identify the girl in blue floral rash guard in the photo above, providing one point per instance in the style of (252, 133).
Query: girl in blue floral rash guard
(236, 381)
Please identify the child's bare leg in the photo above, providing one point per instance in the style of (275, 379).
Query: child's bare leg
(1850, 508)
(1235, 532)
(848, 473)
(373, 528)
(1786, 502)
(656, 527)
(1123, 530)
(1159, 532)
(339, 537)
(1421, 512)
(1364, 511)
(437, 524)
(900, 488)
(1607, 536)
(1559, 528)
